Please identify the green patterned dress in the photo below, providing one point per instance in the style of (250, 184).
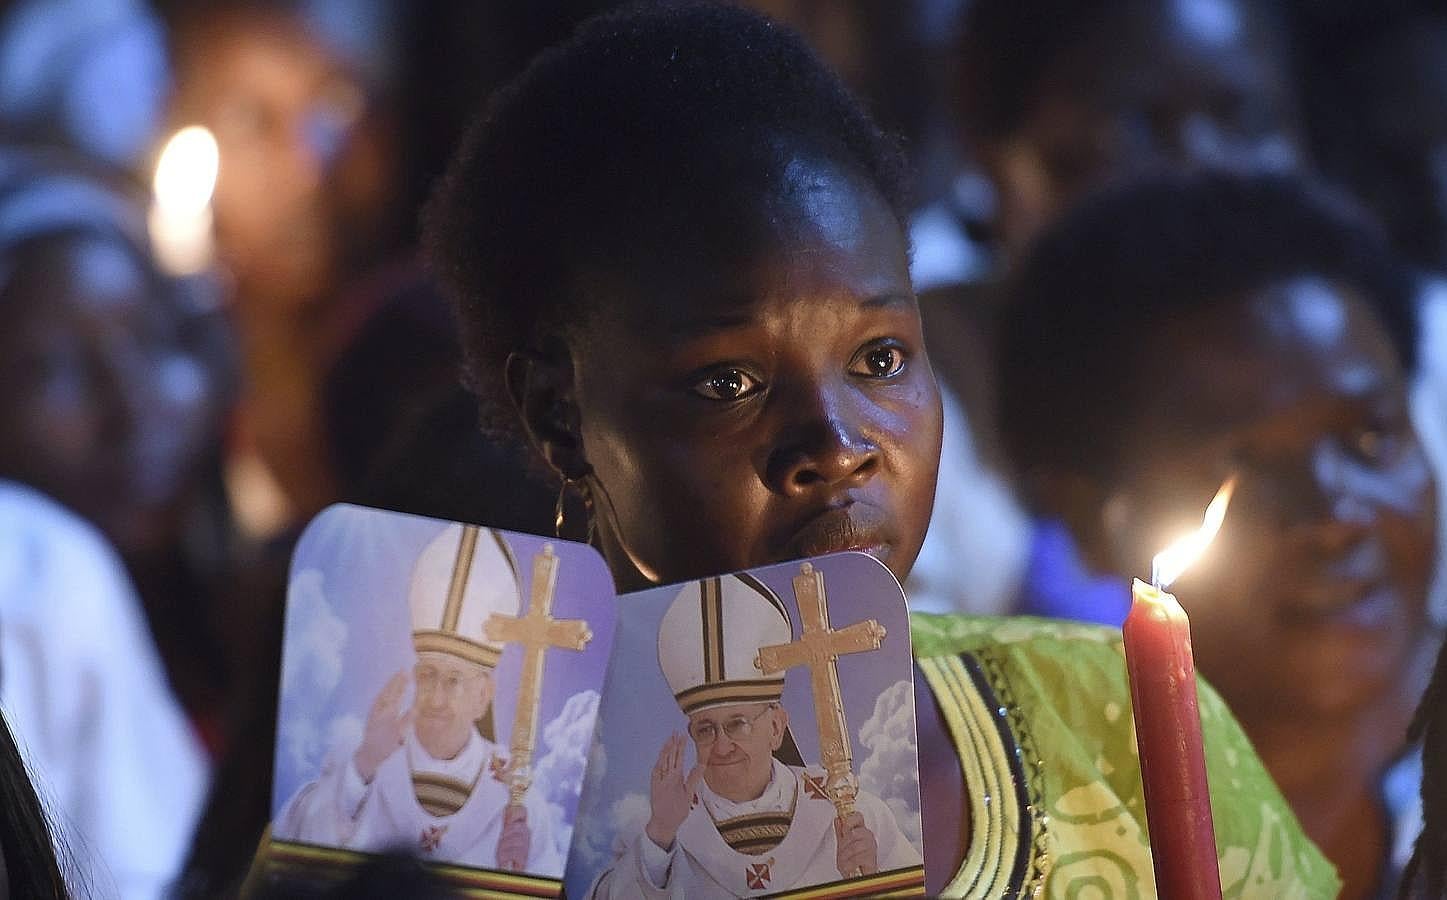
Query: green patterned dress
(1040, 714)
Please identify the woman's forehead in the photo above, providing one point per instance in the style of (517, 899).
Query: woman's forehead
(820, 202)
(1303, 320)
(822, 233)
(1268, 350)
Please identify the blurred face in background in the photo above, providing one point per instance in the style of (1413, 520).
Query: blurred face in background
(304, 167)
(1176, 84)
(1311, 604)
(102, 404)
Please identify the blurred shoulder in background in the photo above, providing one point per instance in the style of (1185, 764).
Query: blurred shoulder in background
(115, 762)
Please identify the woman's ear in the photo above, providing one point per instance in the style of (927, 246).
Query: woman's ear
(540, 386)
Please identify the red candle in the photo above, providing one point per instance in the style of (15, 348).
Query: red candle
(1168, 735)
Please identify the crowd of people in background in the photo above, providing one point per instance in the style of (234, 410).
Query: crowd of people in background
(1156, 243)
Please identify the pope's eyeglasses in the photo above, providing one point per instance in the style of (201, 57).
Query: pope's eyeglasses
(734, 727)
(430, 679)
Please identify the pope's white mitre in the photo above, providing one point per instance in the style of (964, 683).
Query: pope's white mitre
(463, 576)
(709, 640)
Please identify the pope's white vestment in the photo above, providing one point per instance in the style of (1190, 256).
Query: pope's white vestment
(338, 810)
(701, 864)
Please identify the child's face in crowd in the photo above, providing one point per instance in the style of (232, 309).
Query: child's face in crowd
(1193, 83)
(761, 392)
(303, 170)
(1312, 600)
(101, 405)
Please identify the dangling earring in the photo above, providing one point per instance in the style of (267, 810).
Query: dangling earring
(591, 487)
(587, 496)
(579, 485)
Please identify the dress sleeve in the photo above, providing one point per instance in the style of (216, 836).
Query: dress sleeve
(109, 748)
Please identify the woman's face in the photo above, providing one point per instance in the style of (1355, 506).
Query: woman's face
(762, 392)
(101, 404)
(1311, 602)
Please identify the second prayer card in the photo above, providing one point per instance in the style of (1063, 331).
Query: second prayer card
(756, 738)
(439, 687)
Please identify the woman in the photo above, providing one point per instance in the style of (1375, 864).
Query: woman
(677, 252)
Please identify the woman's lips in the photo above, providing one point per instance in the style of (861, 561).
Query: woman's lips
(1376, 609)
(853, 526)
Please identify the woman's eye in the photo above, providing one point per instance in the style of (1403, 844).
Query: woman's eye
(1375, 445)
(879, 362)
(732, 384)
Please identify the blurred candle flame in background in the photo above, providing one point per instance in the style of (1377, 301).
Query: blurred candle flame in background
(180, 221)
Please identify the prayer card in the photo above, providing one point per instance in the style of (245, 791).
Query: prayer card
(439, 688)
(756, 738)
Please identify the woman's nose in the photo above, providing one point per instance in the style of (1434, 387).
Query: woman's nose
(826, 445)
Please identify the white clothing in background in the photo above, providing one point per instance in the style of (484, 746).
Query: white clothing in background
(974, 554)
(113, 757)
(1429, 415)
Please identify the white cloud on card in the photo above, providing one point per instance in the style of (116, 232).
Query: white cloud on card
(316, 638)
(559, 772)
(890, 771)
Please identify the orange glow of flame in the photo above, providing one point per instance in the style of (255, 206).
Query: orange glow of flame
(1175, 559)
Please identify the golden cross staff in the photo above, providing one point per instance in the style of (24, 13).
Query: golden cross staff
(818, 648)
(537, 632)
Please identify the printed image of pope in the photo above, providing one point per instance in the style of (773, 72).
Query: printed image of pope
(427, 776)
(748, 817)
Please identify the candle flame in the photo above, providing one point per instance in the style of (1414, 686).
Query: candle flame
(1175, 559)
(186, 173)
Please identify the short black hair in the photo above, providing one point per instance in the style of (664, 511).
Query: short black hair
(1128, 260)
(1007, 49)
(627, 131)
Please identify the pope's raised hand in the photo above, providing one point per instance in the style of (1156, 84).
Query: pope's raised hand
(670, 792)
(516, 840)
(386, 728)
(858, 853)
